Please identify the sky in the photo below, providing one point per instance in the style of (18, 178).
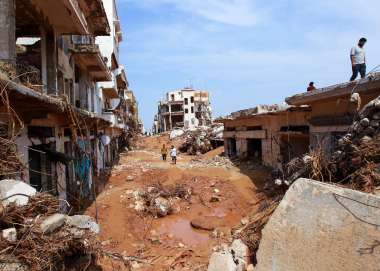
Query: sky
(245, 52)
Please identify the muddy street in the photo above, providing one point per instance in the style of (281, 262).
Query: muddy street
(219, 197)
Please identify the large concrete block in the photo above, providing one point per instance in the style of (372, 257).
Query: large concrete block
(322, 227)
(16, 192)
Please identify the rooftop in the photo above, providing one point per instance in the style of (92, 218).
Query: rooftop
(369, 84)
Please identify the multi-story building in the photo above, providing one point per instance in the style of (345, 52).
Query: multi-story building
(186, 108)
(58, 116)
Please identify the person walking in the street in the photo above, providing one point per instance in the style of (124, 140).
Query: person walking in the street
(164, 152)
(173, 154)
(311, 87)
(358, 60)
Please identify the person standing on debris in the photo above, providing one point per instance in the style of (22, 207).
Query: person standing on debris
(311, 87)
(173, 154)
(358, 60)
(164, 152)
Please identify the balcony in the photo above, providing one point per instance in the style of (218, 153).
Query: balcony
(66, 15)
(87, 53)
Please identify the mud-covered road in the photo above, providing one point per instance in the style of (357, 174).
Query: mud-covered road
(220, 197)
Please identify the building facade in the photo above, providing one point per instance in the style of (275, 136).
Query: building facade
(186, 108)
(64, 106)
(273, 135)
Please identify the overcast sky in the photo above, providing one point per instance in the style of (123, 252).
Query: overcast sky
(245, 52)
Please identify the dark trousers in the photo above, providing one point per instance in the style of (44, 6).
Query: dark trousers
(164, 157)
(358, 68)
(174, 159)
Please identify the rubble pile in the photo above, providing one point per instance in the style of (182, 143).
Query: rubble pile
(199, 141)
(216, 161)
(34, 236)
(158, 200)
(354, 163)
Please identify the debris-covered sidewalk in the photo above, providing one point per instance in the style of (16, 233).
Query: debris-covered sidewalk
(35, 236)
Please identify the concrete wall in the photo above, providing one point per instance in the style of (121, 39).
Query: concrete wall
(322, 227)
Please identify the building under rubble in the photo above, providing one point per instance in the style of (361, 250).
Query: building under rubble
(65, 98)
(187, 108)
(273, 135)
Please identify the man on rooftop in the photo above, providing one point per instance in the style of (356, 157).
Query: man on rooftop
(358, 60)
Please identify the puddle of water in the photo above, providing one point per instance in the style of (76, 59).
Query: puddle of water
(181, 229)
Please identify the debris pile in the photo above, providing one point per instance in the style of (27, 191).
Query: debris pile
(354, 163)
(35, 237)
(159, 200)
(199, 141)
(216, 161)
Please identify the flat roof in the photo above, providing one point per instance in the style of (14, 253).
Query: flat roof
(369, 84)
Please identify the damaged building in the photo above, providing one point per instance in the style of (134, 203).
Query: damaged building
(64, 97)
(270, 135)
(187, 108)
(274, 135)
(333, 109)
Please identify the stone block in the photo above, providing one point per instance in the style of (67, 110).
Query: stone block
(52, 223)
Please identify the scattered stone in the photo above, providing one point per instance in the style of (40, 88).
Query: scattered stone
(53, 223)
(240, 252)
(244, 221)
(17, 192)
(163, 206)
(130, 178)
(10, 235)
(365, 122)
(83, 222)
(221, 261)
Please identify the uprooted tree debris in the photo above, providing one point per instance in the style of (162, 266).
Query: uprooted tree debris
(158, 200)
(35, 237)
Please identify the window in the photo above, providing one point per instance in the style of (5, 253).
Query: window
(172, 97)
(186, 101)
(192, 99)
(192, 109)
(186, 111)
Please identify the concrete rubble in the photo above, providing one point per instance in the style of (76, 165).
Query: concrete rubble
(354, 159)
(319, 226)
(14, 191)
(232, 258)
(201, 140)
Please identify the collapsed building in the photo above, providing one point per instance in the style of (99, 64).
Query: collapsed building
(274, 135)
(187, 108)
(65, 104)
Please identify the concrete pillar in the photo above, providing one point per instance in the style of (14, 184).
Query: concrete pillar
(43, 59)
(241, 147)
(51, 62)
(7, 31)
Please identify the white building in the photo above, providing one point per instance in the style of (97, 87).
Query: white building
(186, 108)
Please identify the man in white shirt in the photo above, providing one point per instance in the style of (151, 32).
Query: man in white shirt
(358, 60)
(173, 154)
